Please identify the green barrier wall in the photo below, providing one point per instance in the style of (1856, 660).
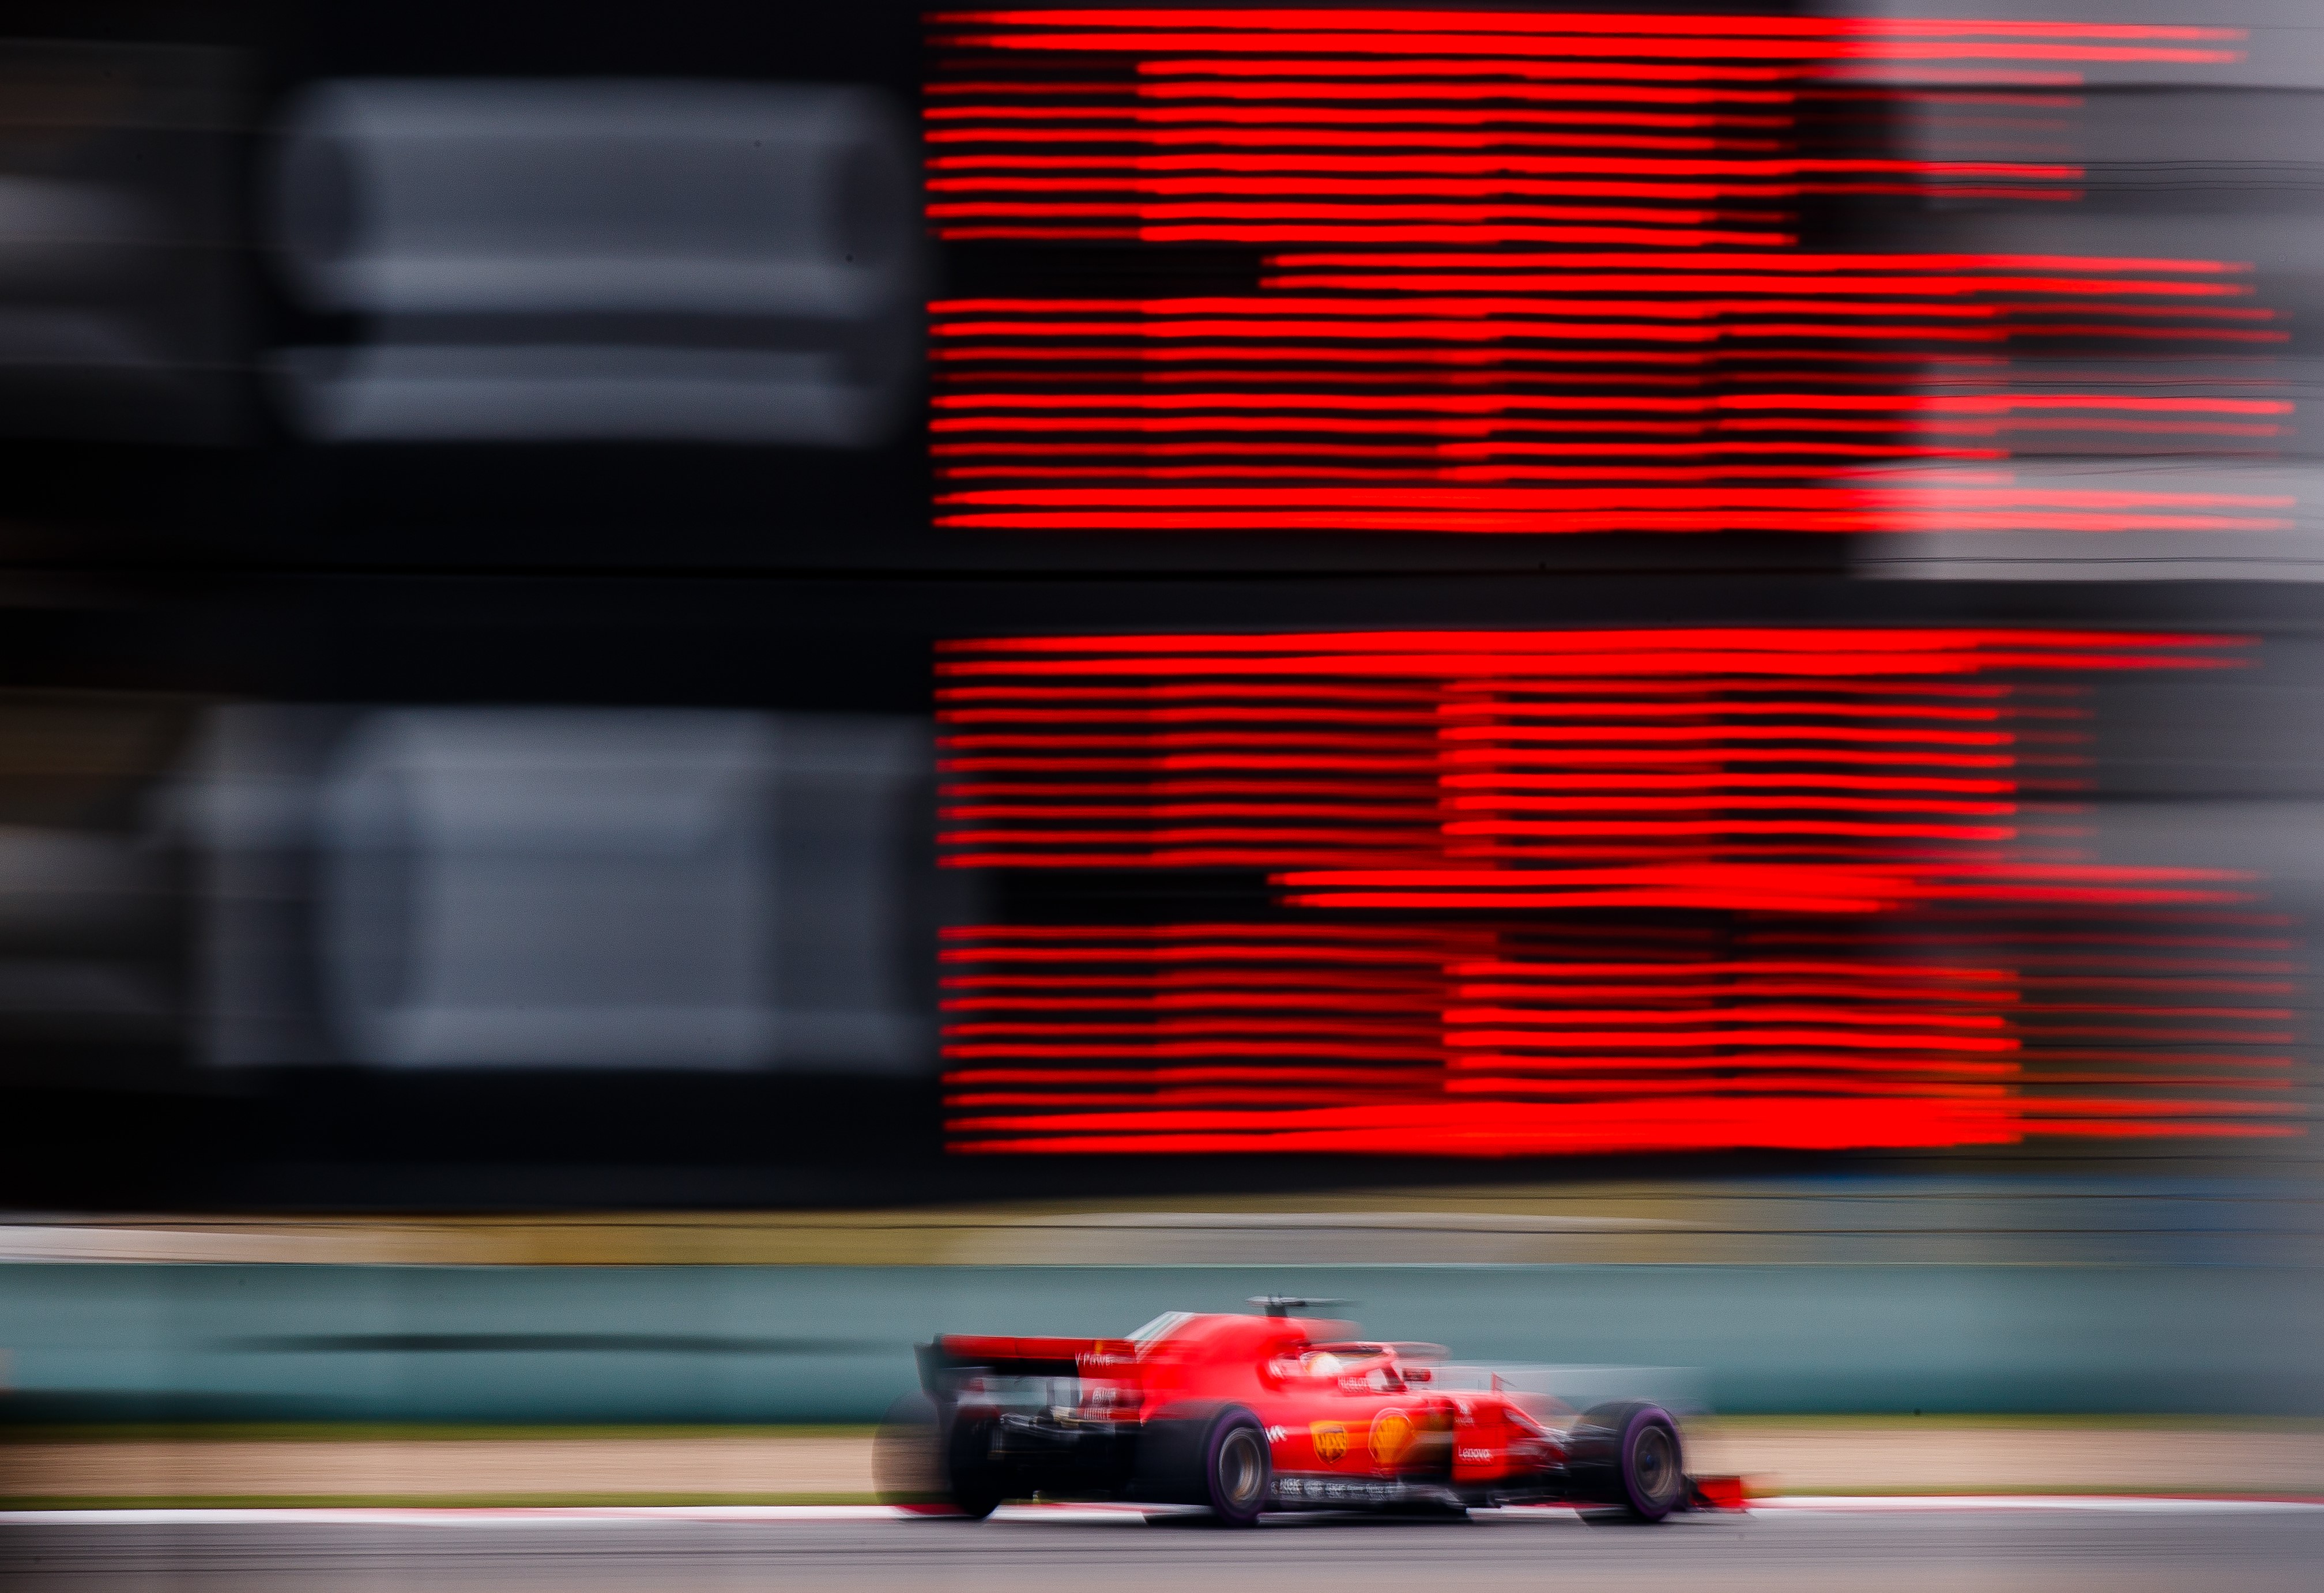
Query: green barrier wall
(753, 1344)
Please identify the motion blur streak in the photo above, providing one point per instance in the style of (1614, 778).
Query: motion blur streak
(576, 888)
(1812, 1547)
(1832, 770)
(1681, 363)
(1764, 786)
(121, 317)
(1541, 1038)
(607, 259)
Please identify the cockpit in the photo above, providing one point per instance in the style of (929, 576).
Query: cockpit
(1355, 1368)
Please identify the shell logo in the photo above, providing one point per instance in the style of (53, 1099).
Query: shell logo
(1391, 1436)
(1330, 1439)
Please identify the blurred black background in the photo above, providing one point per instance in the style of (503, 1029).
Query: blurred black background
(169, 555)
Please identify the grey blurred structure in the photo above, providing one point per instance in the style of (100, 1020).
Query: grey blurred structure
(120, 317)
(93, 948)
(540, 261)
(2217, 161)
(564, 888)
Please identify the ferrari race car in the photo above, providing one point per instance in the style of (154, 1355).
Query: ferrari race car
(1252, 1413)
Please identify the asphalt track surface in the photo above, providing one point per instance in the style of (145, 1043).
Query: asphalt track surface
(2124, 1549)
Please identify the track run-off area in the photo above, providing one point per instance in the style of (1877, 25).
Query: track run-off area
(1896, 1546)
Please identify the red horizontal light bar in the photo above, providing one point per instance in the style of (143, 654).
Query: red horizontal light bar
(1360, 36)
(1211, 168)
(1696, 649)
(1221, 98)
(1509, 92)
(1563, 283)
(1726, 801)
(1144, 122)
(1390, 20)
(1678, 1056)
(1806, 1122)
(1791, 262)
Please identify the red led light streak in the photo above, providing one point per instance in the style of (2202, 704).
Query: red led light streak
(1494, 267)
(1505, 1041)
(1743, 768)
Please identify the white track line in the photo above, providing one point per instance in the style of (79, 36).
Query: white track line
(1887, 1504)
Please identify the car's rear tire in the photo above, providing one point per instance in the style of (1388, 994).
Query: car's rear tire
(1238, 1469)
(1627, 1455)
(971, 1476)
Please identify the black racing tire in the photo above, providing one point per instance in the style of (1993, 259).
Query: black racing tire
(1168, 1469)
(971, 1478)
(1627, 1455)
(1238, 1468)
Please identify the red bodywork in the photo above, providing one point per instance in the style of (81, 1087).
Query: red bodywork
(1346, 1421)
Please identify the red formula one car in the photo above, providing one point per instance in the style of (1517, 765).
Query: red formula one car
(1248, 1415)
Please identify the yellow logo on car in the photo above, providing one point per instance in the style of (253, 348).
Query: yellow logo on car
(1330, 1439)
(1391, 1436)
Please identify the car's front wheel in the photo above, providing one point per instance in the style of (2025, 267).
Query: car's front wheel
(1628, 1455)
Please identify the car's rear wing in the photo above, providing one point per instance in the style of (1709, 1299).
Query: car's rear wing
(953, 1355)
